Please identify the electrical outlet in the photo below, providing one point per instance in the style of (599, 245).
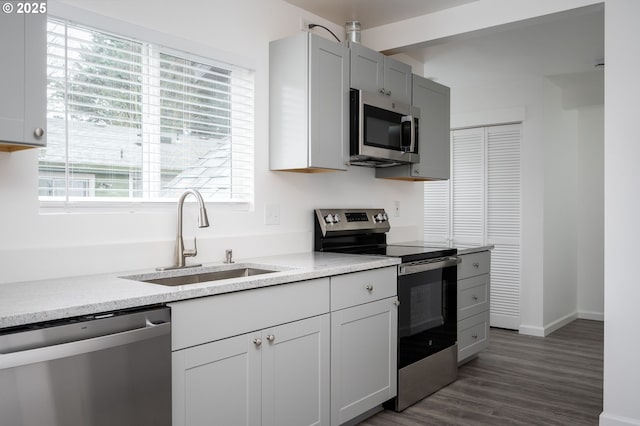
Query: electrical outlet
(304, 24)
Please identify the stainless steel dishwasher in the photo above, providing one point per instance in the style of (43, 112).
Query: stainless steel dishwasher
(108, 369)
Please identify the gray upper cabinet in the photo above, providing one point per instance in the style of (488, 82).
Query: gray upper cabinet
(433, 99)
(308, 104)
(372, 71)
(22, 81)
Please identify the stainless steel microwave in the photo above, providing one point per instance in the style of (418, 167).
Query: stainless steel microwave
(383, 132)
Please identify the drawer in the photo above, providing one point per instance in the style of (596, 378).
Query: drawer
(473, 335)
(473, 296)
(362, 287)
(474, 264)
(198, 321)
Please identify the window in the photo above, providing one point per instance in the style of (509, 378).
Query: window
(481, 205)
(133, 121)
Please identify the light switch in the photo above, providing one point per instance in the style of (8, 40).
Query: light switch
(272, 214)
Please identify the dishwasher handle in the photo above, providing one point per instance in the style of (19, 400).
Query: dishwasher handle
(64, 350)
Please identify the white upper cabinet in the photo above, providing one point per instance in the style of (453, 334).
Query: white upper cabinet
(22, 80)
(433, 100)
(308, 104)
(372, 71)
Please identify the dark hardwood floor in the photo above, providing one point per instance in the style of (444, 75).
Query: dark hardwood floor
(519, 380)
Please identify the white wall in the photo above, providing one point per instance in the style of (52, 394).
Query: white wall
(560, 213)
(34, 245)
(591, 218)
(621, 213)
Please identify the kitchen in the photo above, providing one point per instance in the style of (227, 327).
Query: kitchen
(104, 241)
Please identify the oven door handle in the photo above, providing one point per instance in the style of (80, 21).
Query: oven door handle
(427, 266)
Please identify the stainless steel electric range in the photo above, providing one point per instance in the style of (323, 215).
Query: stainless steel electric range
(427, 291)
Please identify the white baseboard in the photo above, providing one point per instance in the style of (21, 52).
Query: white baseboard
(594, 316)
(559, 323)
(607, 419)
(531, 330)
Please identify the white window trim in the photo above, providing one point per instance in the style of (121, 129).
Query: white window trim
(56, 9)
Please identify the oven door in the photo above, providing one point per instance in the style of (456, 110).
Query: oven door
(427, 320)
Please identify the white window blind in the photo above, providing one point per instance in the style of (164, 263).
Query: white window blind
(133, 121)
(481, 205)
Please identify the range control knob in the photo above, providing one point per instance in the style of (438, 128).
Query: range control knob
(336, 218)
(379, 218)
(328, 218)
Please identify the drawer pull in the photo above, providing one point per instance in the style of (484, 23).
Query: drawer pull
(474, 297)
(257, 341)
(369, 288)
(271, 338)
(476, 265)
(475, 336)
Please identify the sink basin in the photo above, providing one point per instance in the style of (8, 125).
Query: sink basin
(183, 277)
(208, 276)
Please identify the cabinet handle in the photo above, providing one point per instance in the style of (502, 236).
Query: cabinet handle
(388, 93)
(382, 91)
(38, 132)
(397, 303)
(474, 297)
(476, 265)
(369, 288)
(271, 337)
(475, 336)
(257, 341)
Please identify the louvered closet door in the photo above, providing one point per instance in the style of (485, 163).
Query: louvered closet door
(468, 187)
(436, 212)
(503, 222)
(481, 205)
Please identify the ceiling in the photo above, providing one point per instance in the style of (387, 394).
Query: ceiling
(565, 46)
(373, 13)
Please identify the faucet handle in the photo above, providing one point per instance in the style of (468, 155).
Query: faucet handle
(191, 252)
(228, 256)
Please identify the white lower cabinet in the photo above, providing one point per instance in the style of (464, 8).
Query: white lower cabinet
(364, 342)
(474, 284)
(363, 357)
(272, 377)
(318, 352)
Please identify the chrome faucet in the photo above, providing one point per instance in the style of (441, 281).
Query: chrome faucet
(203, 222)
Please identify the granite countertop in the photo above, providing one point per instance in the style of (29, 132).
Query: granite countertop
(470, 248)
(462, 248)
(30, 302)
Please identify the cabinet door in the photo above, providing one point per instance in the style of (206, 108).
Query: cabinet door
(473, 336)
(295, 373)
(217, 383)
(363, 358)
(22, 80)
(328, 104)
(367, 68)
(397, 80)
(433, 99)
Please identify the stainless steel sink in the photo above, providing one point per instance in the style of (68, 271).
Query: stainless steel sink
(219, 273)
(208, 276)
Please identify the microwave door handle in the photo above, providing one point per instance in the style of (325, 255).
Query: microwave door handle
(408, 120)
